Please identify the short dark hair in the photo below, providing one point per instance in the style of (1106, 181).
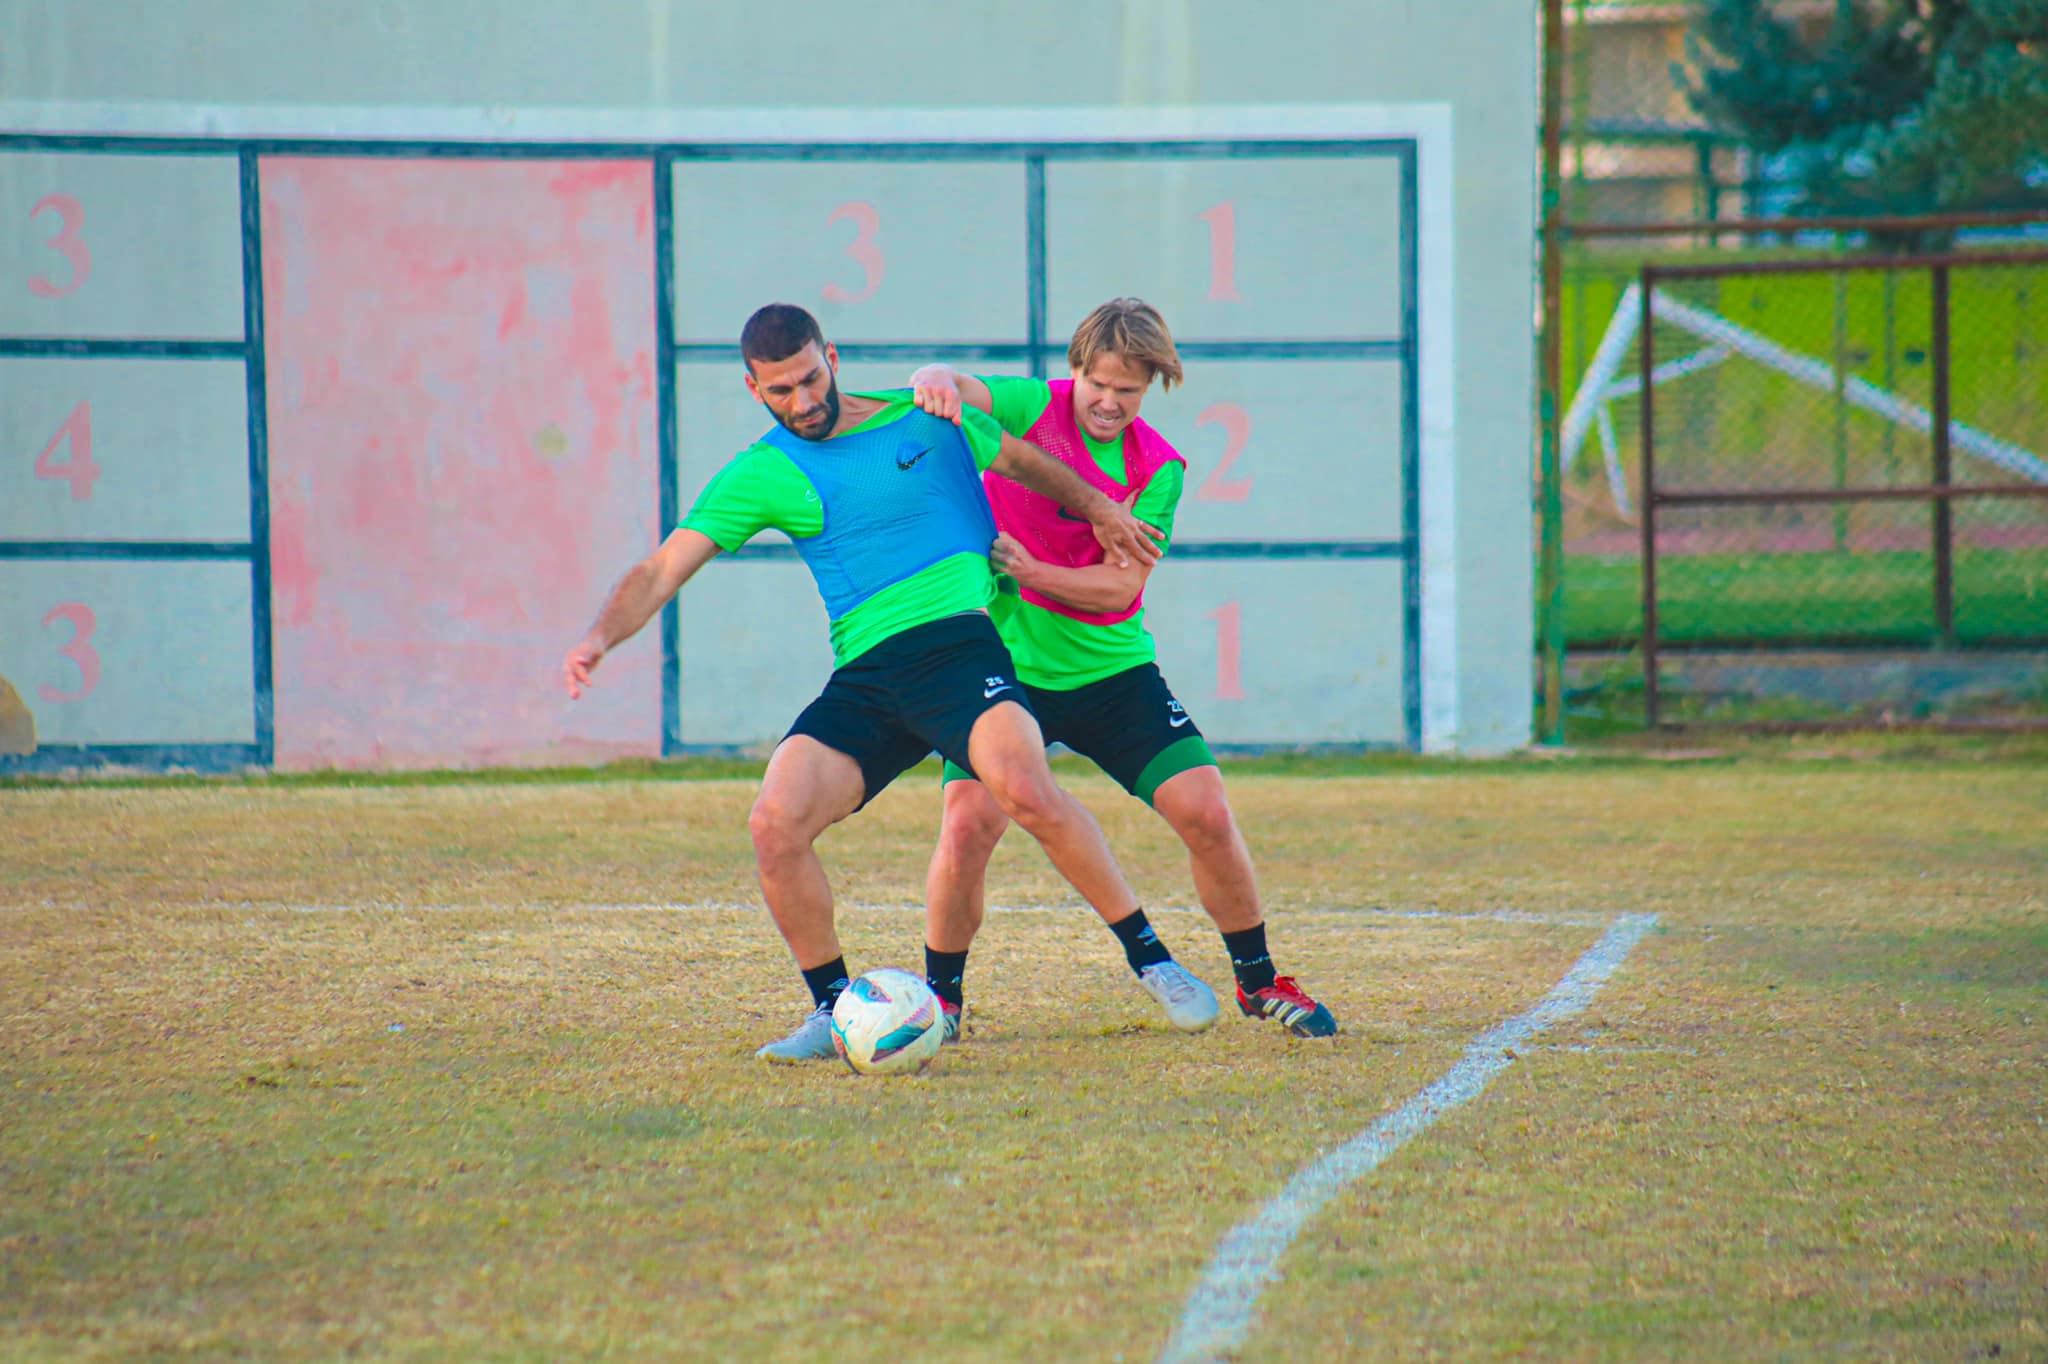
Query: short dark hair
(777, 332)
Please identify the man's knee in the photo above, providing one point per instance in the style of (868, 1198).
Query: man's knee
(1195, 804)
(1209, 824)
(1009, 756)
(974, 823)
(1031, 798)
(776, 824)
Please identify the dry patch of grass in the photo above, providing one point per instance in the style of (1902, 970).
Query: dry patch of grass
(465, 1070)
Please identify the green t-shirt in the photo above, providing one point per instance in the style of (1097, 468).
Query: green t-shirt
(761, 489)
(1052, 651)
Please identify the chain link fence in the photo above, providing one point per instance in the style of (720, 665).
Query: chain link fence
(1832, 454)
(1815, 377)
(1792, 404)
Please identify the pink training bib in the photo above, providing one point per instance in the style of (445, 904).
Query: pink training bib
(1055, 534)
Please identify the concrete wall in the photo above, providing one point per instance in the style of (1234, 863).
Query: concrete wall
(372, 428)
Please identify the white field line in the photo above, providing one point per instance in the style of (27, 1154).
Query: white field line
(1506, 916)
(1219, 1312)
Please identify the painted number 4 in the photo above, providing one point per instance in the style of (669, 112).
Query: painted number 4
(74, 439)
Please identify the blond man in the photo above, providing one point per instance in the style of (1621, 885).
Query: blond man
(1075, 627)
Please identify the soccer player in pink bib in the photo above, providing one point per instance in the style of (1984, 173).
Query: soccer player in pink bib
(1075, 629)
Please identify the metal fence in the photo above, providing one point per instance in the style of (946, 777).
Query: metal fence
(1833, 453)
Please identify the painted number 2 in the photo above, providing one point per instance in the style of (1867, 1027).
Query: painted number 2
(862, 250)
(1229, 620)
(67, 243)
(75, 436)
(78, 649)
(1237, 433)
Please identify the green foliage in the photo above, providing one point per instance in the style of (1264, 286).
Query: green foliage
(1895, 106)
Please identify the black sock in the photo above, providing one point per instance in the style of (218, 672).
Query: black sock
(1142, 947)
(1249, 958)
(826, 982)
(943, 972)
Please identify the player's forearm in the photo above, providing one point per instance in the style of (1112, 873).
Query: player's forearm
(639, 594)
(1099, 587)
(1041, 473)
(649, 584)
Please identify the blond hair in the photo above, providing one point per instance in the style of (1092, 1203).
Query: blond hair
(1131, 328)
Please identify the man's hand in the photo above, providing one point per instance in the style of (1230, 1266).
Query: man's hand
(578, 666)
(1124, 537)
(937, 391)
(1010, 556)
(642, 592)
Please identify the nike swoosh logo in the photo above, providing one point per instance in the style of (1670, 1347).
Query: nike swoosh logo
(1177, 721)
(1066, 515)
(903, 463)
(987, 692)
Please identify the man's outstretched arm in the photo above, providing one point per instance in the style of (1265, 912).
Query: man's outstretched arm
(644, 590)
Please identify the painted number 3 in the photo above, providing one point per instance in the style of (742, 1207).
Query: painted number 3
(67, 243)
(862, 250)
(78, 649)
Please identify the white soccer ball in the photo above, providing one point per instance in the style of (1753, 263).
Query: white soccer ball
(888, 1022)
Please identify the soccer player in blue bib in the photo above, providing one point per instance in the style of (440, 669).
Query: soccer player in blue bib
(886, 507)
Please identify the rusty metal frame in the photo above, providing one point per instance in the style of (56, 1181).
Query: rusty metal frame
(1940, 492)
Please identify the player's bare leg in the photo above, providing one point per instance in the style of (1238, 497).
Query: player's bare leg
(808, 788)
(1193, 802)
(1007, 751)
(1008, 754)
(955, 892)
(955, 885)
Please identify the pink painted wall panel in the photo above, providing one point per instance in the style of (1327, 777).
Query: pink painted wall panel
(462, 456)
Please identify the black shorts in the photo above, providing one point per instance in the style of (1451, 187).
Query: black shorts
(914, 692)
(1128, 724)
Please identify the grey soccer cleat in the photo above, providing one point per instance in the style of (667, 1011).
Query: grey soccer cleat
(1190, 1005)
(812, 1040)
(955, 1016)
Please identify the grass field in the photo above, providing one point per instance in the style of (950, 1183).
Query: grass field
(461, 1068)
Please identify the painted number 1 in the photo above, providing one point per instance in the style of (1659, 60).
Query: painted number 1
(67, 243)
(1229, 620)
(78, 649)
(862, 250)
(1222, 221)
(75, 435)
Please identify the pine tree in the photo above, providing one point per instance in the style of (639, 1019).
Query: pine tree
(1893, 106)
